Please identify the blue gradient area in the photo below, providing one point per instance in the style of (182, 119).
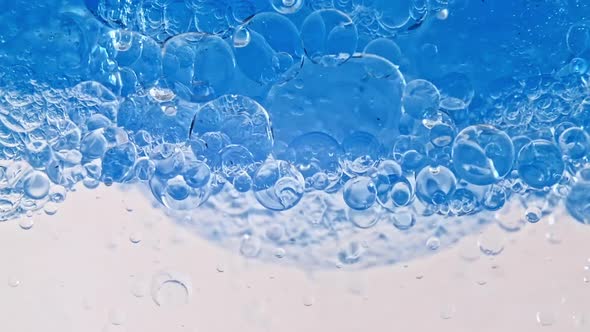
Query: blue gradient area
(326, 132)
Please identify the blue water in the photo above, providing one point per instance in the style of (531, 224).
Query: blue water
(322, 132)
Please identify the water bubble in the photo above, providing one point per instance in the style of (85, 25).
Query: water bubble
(308, 300)
(491, 242)
(456, 91)
(232, 119)
(494, 198)
(36, 185)
(117, 317)
(403, 220)
(13, 282)
(274, 53)
(144, 169)
(448, 311)
(359, 193)
(482, 154)
(574, 142)
(186, 64)
(170, 289)
(433, 243)
(287, 6)
(385, 48)
(242, 182)
(278, 185)
(578, 38)
(250, 246)
(241, 38)
(540, 164)
(50, 208)
(26, 223)
(135, 237)
(316, 152)
(434, 185)
(533, 214)
(545, 318)
(420, 97)
(364, 219)
(329, 37)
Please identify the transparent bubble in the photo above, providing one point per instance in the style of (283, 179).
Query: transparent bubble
(144, 169)
(456, 91)
(241, 37)
(482, 154)
(278, 185)
(578, 202)
(491, 241)
(385, 48)
(170, 289)
(420, 97)
(533, 214)
(329, 37)
(435, 184)
(433, 243)
(360, 193)
(540, 164)
(198, 66)
(36, 185)
(287, 6)
(574, 143)
(316, 152)
(578, 38)
(274, 52)
(232, 119)
(365, 219)
(403, 220)
(392, 15)
(250, 246)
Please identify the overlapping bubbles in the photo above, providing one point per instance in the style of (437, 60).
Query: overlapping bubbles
(286, 127)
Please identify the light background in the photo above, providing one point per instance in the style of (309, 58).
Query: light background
(78, 271)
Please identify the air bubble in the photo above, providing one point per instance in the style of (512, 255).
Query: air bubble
(329, 37)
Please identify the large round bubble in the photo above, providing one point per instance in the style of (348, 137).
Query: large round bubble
(197, 66)
(482, 154)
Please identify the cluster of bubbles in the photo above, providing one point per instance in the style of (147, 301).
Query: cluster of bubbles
(230, 106)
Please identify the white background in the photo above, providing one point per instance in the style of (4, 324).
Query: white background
(78, 271)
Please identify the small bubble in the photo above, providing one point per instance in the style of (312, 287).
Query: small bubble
(533, 214)
(170, 289)
(50, 208)
(280, 253)
(13, 282)
(26, 223)
(220, 268)
(135, 237)
(308, 300)
(448, 311)
(491, 242)
(545, 318)
(433, 243)
(117, 317)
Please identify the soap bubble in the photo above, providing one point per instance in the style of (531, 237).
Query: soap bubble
(482, 154)
(540, 164)
(197, 66)
(329, 37)
(278, 185)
